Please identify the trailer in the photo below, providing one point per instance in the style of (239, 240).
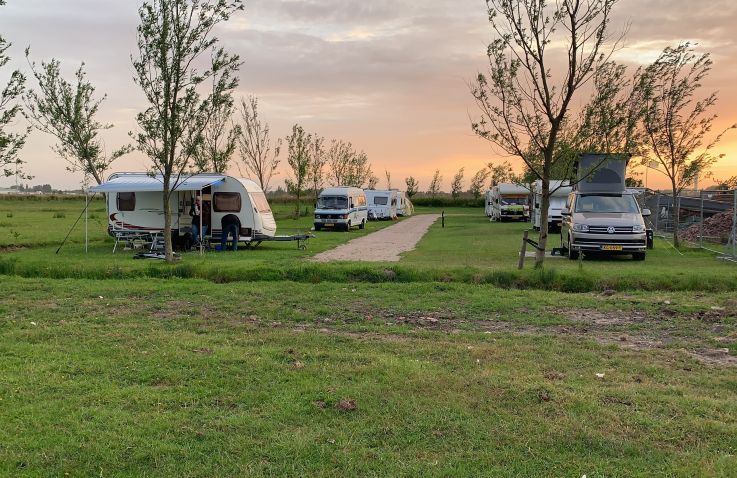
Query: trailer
(405, 207)
(381, 204)
(560, 191)
(136, 210)
(508, 201)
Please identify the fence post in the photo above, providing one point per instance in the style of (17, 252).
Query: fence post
(657, 210)
(523, 251)
(701, 224)
(442, 219)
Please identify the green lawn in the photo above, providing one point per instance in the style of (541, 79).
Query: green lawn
(468, 249)
(190, 378)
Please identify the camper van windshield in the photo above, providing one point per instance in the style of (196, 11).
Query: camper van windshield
(513, 201)
(260, 202)
(332, 202)
(625, 204)
(381, 200)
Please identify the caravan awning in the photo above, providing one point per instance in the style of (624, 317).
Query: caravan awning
(143, 183)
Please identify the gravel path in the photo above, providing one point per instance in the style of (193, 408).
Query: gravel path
(384, 245)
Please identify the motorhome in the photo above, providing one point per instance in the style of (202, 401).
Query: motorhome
(381, 204)
(559, 193)
(404, 204)
(135, 205)
(341, 207)
(508, 201)
(601, 215)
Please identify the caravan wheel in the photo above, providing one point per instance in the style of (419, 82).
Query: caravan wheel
(362, 225)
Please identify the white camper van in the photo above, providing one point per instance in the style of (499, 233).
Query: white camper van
(381, 204)
(135, 205)
(508, 201)
(404, 205)
(341, 207)
(561, 190)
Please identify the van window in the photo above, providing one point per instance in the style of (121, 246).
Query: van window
(332, 202)
(607, 204)
(360, 201)
(126, 201)
(381, 200)
(227, 202)
(260, 202)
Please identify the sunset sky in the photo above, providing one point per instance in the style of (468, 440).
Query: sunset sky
(390, 76)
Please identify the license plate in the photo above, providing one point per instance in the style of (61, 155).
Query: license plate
(611, 248)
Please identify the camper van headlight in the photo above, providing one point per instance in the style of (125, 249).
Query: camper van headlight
(581, 227)
(638, 228)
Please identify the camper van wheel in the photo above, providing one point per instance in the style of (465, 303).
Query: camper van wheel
(362, 225)
(348, 226)
(638, 256)
(318, 227)
(572, 255)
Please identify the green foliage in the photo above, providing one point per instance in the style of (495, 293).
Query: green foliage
(10, 94)
(413, 186)
(299, 144)
(436, 184)
(257, 152)
(456, 186)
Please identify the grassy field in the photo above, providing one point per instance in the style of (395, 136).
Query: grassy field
(262, 363)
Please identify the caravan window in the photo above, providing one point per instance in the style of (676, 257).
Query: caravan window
(126, 201)
(260, 202)
(381, 200)
(227, 202)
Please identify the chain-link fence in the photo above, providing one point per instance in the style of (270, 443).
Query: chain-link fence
(706, 218)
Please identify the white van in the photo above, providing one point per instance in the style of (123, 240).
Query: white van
(508, 201)
(341, 207)
(561, 190)
(381, 204)
(404, 205)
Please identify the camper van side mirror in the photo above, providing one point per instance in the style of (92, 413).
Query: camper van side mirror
(646, 212)
(565, 212)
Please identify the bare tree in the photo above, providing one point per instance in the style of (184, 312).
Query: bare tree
(220, 135)
(68, 111)
(11, 143)
(172, 38)
(299, 144)
(388, 179)
(255, 144)
(478, 181)
(524, 106)
(413, 187)
(456, 186)
(316, 169)
(435, 185)
(373, 181)
(677, 124)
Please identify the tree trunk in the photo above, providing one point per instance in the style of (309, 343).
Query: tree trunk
(676, 216)
(168, 246)
(542, 241)
(298, 203)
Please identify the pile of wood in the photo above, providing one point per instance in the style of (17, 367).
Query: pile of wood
(717, 228)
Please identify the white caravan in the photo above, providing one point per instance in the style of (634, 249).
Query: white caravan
(508, 201)
(135, 205)
(341, 207)
(561, 190)
(404, 205)
(381, 204)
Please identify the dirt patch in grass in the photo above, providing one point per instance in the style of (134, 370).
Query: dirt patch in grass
(12, 248)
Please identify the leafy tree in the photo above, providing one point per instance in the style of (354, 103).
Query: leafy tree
(456, 186)
(173, 36)
(413, 186)
(435, 184)
(11, 143)
(68, 111)
(477, 183)
(524, 106)
(220, 136)
(299, 146)
(316, 169)
(255, 144)
(349, 167)
(500, 173)
(677, 124)
(372, 182)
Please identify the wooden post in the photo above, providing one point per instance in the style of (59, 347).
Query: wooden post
(523, 251)
(442, 219)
